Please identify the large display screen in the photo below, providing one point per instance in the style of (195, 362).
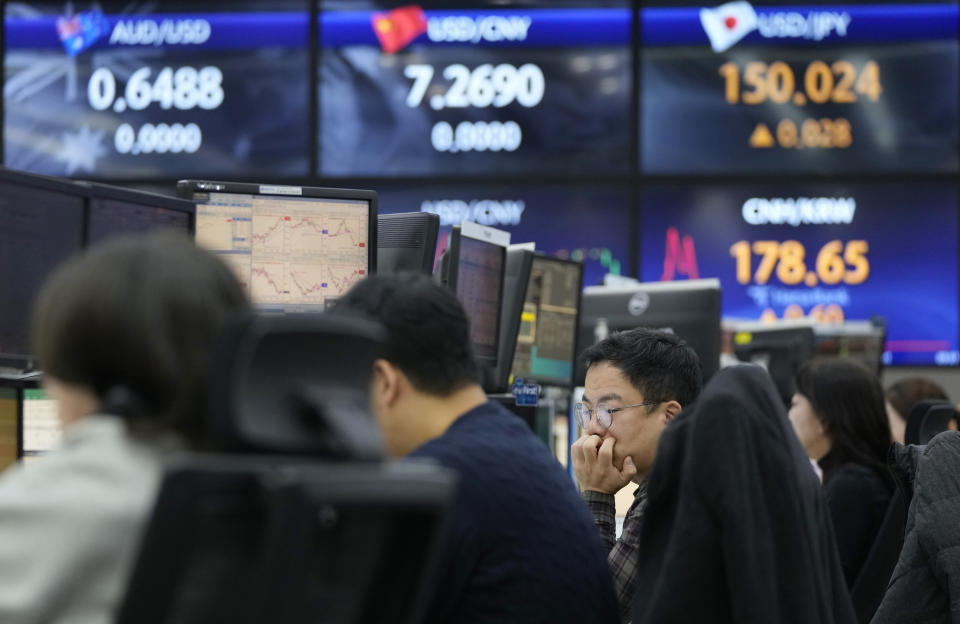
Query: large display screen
(123, 90)
(782, 88)
(588, 225)
(829, 251)
(473, 88)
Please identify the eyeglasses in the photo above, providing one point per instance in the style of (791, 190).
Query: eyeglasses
(604, 414)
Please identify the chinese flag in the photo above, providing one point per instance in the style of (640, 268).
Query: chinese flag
(399, 27)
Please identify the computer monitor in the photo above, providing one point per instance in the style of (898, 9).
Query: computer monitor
(406, 241)
(295, 248)
(9, 429)
(779, 348)
(473, 268)
(44, 221)
(515, 278)
(41, 428)
(41, 225)
(690, 309)
(546, 341)
(859, 340)
(114, 211)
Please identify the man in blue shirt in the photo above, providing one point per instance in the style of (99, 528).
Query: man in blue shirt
(521, 546)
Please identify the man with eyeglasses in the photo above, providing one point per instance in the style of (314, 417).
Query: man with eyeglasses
(637, 382)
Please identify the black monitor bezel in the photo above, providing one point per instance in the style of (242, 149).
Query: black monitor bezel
(188, 188)
(543, 379)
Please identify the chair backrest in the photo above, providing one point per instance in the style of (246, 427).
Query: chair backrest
(296, 384)
(874, 577)
(302, 521)
(928, 418)
(246, 539)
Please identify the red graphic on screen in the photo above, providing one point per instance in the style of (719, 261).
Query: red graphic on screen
(68, 27)
(397, 28)
(680, 257)
(443, 241)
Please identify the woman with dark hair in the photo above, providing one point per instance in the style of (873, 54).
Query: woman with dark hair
(125, 335)
(838, 414)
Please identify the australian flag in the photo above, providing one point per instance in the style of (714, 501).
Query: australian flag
(80, 31)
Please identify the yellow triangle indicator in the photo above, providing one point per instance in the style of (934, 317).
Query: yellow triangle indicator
(761, 136)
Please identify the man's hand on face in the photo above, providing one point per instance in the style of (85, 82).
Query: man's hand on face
(593, 465)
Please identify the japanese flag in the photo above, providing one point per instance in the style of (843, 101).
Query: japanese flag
(728, 24)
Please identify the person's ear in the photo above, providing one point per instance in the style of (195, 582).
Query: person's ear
(670, 411)
(387, 383)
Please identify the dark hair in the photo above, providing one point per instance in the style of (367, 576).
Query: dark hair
(905, 393)
(428, 330)
(659, 364)
(136, 319)
(848, 398)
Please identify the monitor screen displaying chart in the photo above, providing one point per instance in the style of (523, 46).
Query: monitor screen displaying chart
(292, 253)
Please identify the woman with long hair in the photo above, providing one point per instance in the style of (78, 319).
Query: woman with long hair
(839, 416)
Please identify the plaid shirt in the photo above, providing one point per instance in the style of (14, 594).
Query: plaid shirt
(623, 552)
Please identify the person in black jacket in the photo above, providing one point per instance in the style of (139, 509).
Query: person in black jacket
(925, 586)
(839, 415)
(736, 528)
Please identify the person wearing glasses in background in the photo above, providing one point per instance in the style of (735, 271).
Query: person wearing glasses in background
(637, 382)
